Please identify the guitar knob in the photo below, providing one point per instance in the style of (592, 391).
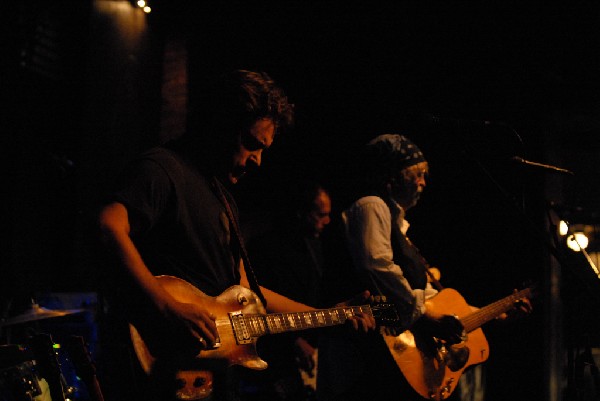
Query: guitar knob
(180, 383)
(199, 382)
(445, 390)
(242, 300)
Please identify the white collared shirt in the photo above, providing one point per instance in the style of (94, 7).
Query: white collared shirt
(368, 224)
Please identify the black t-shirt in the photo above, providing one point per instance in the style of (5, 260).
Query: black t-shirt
(178, 222)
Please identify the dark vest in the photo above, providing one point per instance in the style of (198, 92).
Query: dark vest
(407, 256)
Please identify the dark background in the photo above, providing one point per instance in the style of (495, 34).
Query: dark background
(81, 88)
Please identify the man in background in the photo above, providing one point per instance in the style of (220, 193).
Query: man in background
(289, 259)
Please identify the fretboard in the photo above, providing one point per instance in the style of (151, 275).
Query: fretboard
(256, 325)
(493, 310)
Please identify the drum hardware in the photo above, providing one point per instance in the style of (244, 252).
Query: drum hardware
(35, 313)
(18, 375)
(35, 370)
(20, 382)
(48, 366)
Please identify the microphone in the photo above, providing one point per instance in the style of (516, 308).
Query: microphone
(540, 166)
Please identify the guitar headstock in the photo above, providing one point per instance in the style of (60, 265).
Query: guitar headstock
(522, 300)
(529, 291)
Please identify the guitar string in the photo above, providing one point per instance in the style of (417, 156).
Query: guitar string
(301, 320)
(487, 313)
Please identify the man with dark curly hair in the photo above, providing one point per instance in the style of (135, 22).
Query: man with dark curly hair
(174, 216)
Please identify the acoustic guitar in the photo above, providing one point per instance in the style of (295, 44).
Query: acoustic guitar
(240, 321)
(432, 367)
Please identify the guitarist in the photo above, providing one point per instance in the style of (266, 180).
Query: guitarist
(174, 215)
(393, 173)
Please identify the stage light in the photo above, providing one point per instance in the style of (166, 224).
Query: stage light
(563, 228)
(577, 241)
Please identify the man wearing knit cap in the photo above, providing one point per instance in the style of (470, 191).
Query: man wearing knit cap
(393, 176)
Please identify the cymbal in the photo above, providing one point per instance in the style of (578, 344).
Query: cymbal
(37, 312)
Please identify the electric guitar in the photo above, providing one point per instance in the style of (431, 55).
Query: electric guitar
(240, 321)
(433, 368)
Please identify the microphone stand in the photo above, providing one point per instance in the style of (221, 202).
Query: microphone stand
(541, 236)
(551, 287)
(588, 259)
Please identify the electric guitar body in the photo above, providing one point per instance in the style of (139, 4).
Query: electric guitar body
(240, 320)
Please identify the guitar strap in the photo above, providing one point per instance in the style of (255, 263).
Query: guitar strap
(247, 267)
(434, 281)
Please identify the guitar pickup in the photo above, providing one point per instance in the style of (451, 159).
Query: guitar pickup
(240, 329)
